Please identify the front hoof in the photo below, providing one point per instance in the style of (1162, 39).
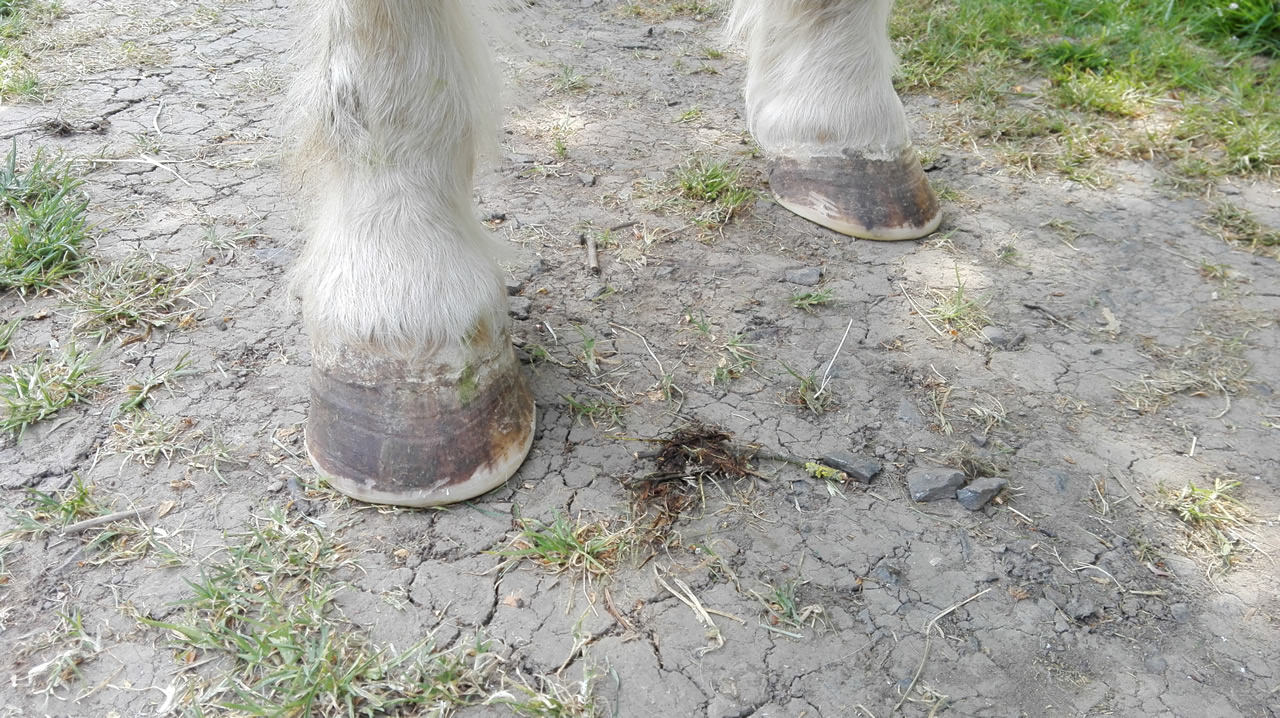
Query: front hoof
(419, 430)
(884, 198)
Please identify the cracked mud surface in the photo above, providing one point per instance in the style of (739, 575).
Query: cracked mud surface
(1088, 600)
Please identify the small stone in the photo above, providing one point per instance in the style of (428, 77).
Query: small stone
(886, 575)
(1180, 611)
(514, 286)
(859, 468)
(519, 307)
(934, 483)
(977, 494)
(995, 335)
(587, 179)
(805, 276)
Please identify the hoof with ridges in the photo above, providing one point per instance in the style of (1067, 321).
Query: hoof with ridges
(419, 430)
(871, 198)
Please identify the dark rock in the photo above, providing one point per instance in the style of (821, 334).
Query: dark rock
(514, 286)
(931, 483)
(587, 180)
(859, 468)
(995, 335)
(519, 307)
(805, 276)
(976, 495)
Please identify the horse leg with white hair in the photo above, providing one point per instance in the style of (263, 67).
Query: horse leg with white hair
(416, 395)
(820, 102)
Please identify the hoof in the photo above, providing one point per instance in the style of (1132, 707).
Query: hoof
(419, 431)
(886, 199)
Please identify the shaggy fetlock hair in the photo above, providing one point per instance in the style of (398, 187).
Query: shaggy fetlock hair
(819, 76)
(395, 100)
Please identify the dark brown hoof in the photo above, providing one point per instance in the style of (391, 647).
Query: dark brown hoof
(884, 198)
(419, 431)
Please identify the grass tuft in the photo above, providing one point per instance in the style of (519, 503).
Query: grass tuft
(591, 549)
(36, 391)
(266, 609)
(717, 185)
(135, 293)
(810, 301)
(47, 512)
(1237, 225)
(44, 225)
(1215, 519)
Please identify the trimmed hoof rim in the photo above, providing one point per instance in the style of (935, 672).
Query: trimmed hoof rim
(885, 199)
(419, 431)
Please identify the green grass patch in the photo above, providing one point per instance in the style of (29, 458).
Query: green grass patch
(46, 512)
(42, 212)
(1237, 225)
(715, 188)
(811, 300)
(266, 607)
(1069, 80)
(591, 548)
(17, 80)
(135, 293)
(38, 390)
(1215, 518)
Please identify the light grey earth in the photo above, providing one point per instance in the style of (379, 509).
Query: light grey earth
(1106, 375)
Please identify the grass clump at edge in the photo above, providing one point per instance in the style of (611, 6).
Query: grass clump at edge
(1187, 81)
(42, 213)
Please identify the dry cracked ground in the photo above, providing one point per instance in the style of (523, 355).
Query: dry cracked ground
(664, 550)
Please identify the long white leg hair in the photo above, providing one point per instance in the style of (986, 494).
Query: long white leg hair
(820, 76)
(395, 100)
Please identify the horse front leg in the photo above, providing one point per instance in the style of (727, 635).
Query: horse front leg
(416, 395)
(821, 103)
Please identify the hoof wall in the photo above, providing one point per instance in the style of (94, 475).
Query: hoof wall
(419, 432)
(884, 199)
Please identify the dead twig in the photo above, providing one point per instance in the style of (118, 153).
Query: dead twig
(920, 311)
(593, 255)
(686, 596)
(97, 521)
(826, 373)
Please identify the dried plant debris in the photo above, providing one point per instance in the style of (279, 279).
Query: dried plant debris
(682, 462)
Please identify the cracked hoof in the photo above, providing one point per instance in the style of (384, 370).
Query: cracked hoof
(419, 431)
(887, 199)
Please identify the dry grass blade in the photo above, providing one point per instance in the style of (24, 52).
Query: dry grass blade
(1216, 520)
(136, 293)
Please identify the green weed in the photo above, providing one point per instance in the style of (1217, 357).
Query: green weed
(48, 512)
(266, 609)
(135, 293)
(589, 548)
(44, 225)
(717, 186)
(1215, 519)
(810, 301)
(36, 391)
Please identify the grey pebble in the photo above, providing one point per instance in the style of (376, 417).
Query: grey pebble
(520, 306)
(805, 276)
(859, 468)
(977, 494)
(934, 483)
